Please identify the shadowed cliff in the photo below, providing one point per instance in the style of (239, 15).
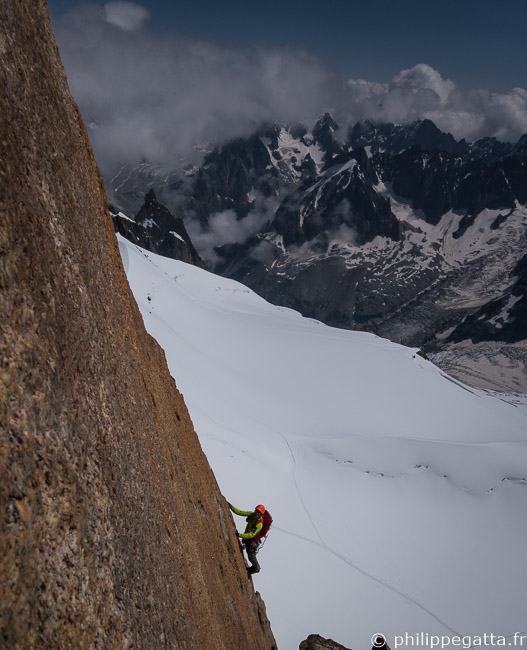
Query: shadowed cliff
(113, 531)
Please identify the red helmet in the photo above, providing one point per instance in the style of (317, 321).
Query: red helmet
(260, 509)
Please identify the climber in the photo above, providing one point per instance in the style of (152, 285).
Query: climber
(258, 524)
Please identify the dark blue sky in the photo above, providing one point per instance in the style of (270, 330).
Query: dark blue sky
(476, 43)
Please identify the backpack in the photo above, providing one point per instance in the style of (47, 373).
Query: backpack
(267, 521)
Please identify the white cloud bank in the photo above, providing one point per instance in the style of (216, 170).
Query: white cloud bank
(154, 97)
(226, 228)
(422, 92)
(126, 15)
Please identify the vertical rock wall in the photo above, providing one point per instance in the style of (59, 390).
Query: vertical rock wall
(113, 530)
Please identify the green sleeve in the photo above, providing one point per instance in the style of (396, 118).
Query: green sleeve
(255, 532)
(242, 513)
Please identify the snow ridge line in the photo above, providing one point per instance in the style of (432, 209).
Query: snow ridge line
(385, 584)
(458, 383)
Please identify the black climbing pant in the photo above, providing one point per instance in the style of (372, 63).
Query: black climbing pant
(251, 548)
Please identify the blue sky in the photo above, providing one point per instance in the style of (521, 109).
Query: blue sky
(476, 43)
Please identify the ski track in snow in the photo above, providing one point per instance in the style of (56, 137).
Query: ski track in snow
(298, 490)
(380, 581)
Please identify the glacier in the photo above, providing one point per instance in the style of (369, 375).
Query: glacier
(398, 493)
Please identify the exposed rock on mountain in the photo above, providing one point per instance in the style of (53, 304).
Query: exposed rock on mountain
(230, 175)
(341, 198)
(503, 319)
(316, 642)
(155, 229)
(323, 135)
(394, 139)
(438, 182)
(113, 530)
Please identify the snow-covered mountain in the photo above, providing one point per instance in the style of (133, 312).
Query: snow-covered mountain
(398, 493)
(400, 230)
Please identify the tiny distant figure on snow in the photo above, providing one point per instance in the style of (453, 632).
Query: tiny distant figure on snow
(258, 523)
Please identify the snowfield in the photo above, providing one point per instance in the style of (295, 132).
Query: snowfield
(399, 495)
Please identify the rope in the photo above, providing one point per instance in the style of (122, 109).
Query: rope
(260, 544)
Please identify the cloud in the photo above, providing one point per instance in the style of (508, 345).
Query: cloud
(226, 228)
(421, 92)
(154, 97)
(128, 16)
(422, 78)
(223, 228)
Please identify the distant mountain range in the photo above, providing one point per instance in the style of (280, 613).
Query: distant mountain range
(401, 230)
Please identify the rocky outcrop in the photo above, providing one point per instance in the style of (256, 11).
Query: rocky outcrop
(396, 138)
(157, 230)
(113, 531)
(323, 134)
(503, 319)
(437, 183)
(316, 642)
(341, 201)
(228, 177)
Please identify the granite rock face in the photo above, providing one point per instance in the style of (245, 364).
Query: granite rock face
(113, 531)
(317, 642)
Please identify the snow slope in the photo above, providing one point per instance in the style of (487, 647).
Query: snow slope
(398, 493)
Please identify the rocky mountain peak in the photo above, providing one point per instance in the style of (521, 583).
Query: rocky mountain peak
(157, 230)
(323, 133)
(150, 198)
(317, 642)
(326, 124)
(395, 139)
(426, 135)
(520, 148)
(152, 209)
(488, 150)
(363, 133)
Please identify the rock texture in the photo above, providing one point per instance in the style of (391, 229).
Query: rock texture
(316, 642)
(113, 531)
